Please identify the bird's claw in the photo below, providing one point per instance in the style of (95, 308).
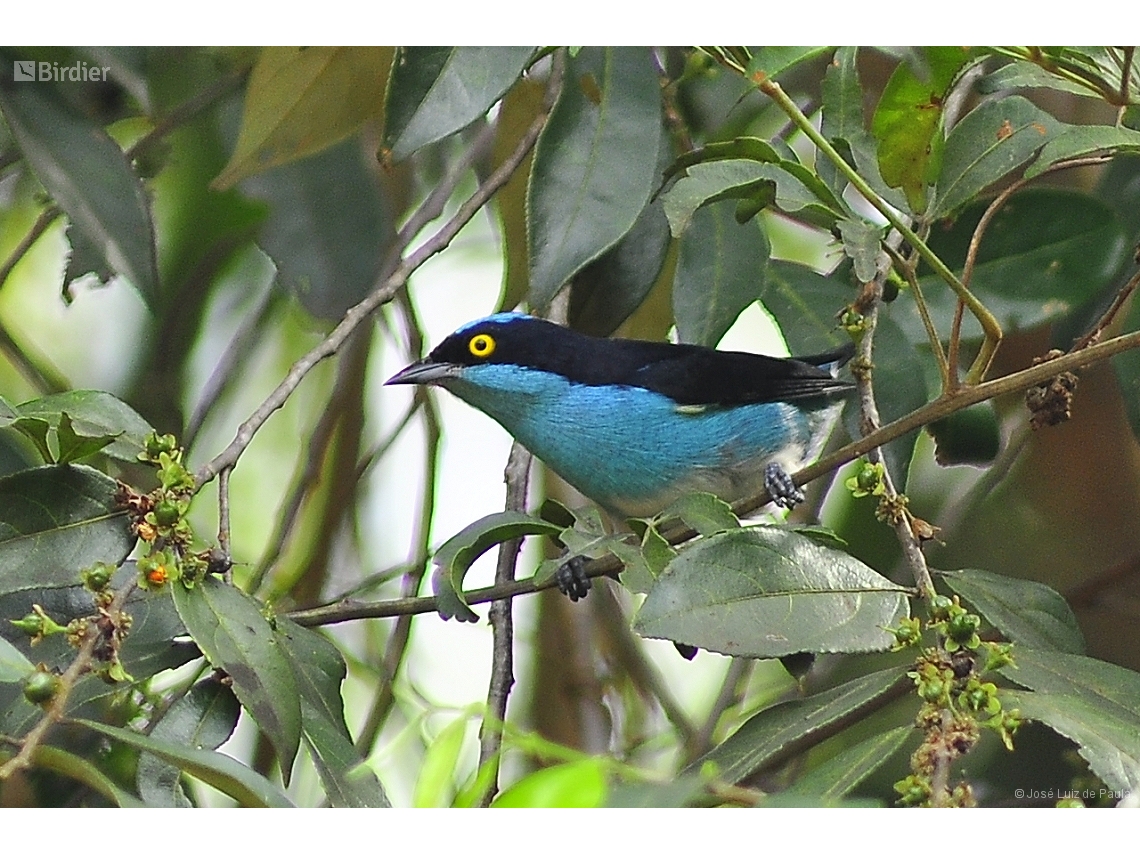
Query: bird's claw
(572, 579)
(781, 487)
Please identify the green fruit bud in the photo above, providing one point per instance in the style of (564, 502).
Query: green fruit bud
(41, 686)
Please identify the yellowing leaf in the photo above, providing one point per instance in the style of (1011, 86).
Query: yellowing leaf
(303, 100)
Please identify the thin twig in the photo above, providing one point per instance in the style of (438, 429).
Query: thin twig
(381, 295)
(729, 696)
(976, 241)
(967, 396)
(516, 475)
(1109, 314)
(182, 113)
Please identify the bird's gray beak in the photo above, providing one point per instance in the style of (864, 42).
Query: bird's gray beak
(423, 372)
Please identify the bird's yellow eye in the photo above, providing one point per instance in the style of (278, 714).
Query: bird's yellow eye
(481, 345)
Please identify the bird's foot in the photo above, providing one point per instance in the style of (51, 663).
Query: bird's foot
(781, 487)
(572, 579)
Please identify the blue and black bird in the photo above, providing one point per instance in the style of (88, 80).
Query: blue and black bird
(633, 425)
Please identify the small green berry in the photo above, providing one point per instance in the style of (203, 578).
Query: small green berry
(40, 687)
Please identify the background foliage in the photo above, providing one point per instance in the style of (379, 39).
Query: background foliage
(216, 528)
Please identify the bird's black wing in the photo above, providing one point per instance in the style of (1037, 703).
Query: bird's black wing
(698, 375)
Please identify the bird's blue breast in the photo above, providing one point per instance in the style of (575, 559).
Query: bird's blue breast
(633, 450)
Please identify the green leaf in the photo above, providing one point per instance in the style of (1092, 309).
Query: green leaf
(302, 100)
(804, 304)
(594, 165)
(1025, 611)
(968, 437)
(204, 717)
(437, 772)
(470, 81)
(765, 591)
(908, 122)
(835, 778)
(37, 431)
(14, 666)
(861, 243)
(238, 782)
(414, 71)
(609, 289)
(685, 791)
(778, 732)
(72, 446)
(1083, 140)
(720, 272)
(456, 556)
(579, 784)
(1045, 253)
(328, 229)
(770, 62)
(85, 772)
(704, 513)
(94, 415)
(89, 177)
(841, 114)
(988, 144)
(1088, 701)
(229, 627)
(738, 148)
(1021, 74)
(320, 671)
(786, 184)
(56, 521)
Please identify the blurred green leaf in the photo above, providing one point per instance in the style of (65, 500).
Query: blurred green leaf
(1083, 140)
(302, 100)
(777, 733)
(1023, 610)
(238, 782)
(469, 82)
(594, 166)
(88, 176)
(94, 415)
(908, 121)
(765, 591)
(720, 272)
(835, 778)
(204, 717)
(682, 792)
(988, 144)
(455, 557)
(56, 521)
(229, 627)
(579, 784)
(72, 446)
(436, 780)
(971, 436)
(1088, 701)
(14, 666)
(329, 227)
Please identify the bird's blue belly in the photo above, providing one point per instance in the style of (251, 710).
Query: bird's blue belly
(635, 451)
